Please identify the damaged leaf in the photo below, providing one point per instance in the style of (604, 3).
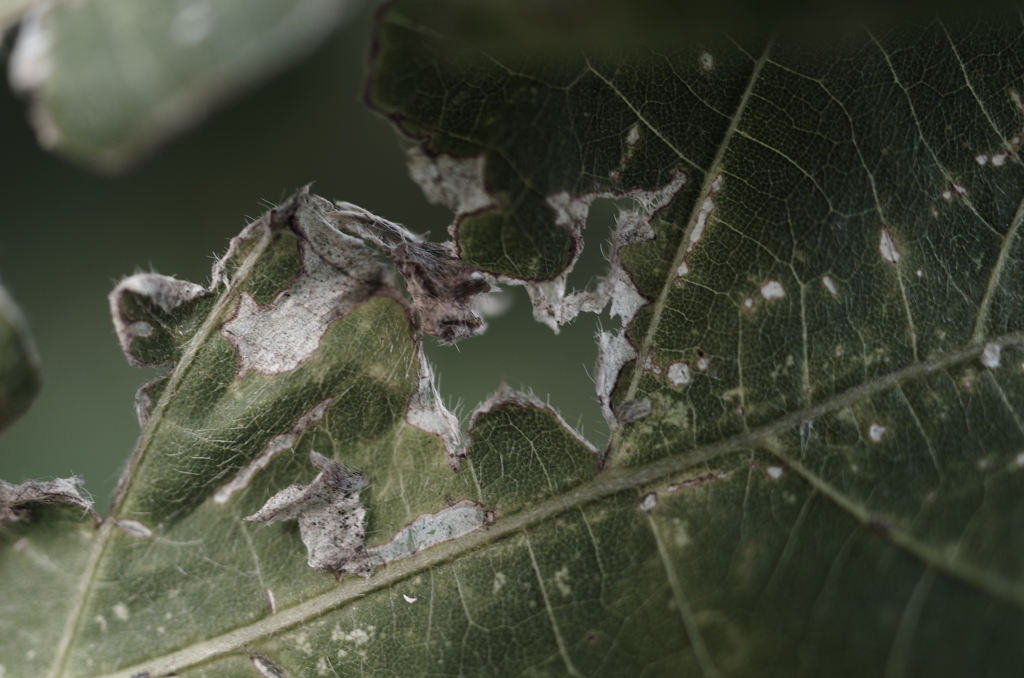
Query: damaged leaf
(110, 80)
(329, 514)
(441, 284)
(16, 500)
(815, 398)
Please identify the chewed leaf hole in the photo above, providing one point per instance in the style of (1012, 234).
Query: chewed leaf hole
(519, 351)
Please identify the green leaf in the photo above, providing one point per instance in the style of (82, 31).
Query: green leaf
(817, 394)
(110, 80)
(815, 464)
(20, 377)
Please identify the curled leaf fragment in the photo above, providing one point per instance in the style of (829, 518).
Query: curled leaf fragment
(331, 517)
(441, 284)
(15, 498)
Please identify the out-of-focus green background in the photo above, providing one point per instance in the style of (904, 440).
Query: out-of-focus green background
(67, 235)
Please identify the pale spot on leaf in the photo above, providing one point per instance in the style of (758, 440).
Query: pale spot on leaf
(876, 431)
(679, 373)
(990, 357)
(775, 472)
(888, 248)
(772, 289)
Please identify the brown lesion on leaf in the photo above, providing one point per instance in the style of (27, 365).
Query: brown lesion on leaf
(331, 517)
(15, 500)
(442, 285)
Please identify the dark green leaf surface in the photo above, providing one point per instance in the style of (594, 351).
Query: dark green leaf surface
(828, 336)
(111, 79)
(816, 460)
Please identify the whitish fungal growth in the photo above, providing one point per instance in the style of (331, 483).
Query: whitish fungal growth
(648, 502)
(707, 208)
(981, 159)
(772, 289)
(650, 364)
(707, 62)
(830, 285)
(958, 189)
(265, 668)
(441, 285)
(275, 445)
(748, 302)
(160, 293)
(631, 410)
(457, 183)
(775, 472)
(338, 273)
(409, 599)
(679, 373)
(551, 305)
(429, 529)
(15, 500)
(999, 158)
(134, 528)
(1020, 459)
(876, 432)
(888, 248)
(614, 351)
(427, 412)
(330, 517)
(633, 134)
(682, 269)
(990, 356)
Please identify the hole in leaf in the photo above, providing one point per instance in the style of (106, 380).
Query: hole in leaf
(528, 356)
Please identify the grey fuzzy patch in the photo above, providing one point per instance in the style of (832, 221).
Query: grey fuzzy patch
(441, 285)
(631, 410)
(14, 499)
(338, 273)
(431, 529)
(331, 517)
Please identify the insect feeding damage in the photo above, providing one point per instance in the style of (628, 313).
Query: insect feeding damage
(338, 273)
(163, 292)
(15, 498)
(441, 285)
(331, 517)
(332, 521)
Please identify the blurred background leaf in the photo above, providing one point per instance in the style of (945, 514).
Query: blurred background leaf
(19, 363)
(110, 80)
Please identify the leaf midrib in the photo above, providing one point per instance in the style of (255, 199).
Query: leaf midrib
(658, 306)
(609, 482)
(192, 348)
